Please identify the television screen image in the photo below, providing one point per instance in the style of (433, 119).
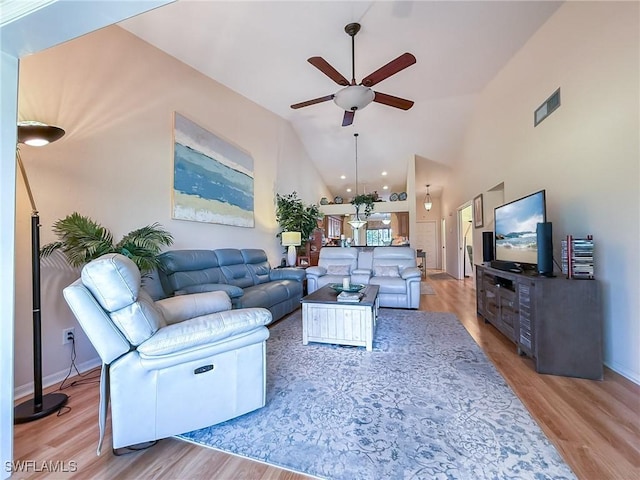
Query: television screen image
(515, 228)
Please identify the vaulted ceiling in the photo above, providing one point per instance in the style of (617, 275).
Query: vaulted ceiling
(260, 50)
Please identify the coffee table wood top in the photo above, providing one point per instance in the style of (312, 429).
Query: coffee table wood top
(327, 294)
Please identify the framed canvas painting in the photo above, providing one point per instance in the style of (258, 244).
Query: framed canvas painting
(212, 179)
(478, 216)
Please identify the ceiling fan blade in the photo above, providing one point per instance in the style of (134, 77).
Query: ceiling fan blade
(312, 102)
(348, 118)
(392, 101)
(394, 66)
(322, 65)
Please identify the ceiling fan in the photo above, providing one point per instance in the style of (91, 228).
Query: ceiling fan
(357, 96)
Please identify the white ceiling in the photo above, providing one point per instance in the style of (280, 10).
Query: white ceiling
(259, 49)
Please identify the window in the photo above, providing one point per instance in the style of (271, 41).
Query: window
(379, 237)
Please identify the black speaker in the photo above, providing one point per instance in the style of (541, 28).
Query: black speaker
(487, 246)
(545, 249)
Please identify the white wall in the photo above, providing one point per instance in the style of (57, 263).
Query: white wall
(115, 96)
(8, 98)
(585, 154)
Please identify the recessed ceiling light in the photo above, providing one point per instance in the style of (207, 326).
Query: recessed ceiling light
(342, 177)
(386, 187)
(348, 190)
(384, 173)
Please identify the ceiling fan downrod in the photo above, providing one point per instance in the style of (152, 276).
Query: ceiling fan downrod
(352, 29)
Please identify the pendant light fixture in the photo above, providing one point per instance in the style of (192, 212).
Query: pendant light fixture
(427, 200)
(357, 223)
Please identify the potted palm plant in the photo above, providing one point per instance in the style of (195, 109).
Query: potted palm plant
(81, 239)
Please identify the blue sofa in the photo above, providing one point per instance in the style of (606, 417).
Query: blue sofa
(244, 274)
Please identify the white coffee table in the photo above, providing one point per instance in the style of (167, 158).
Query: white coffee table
(326, 320)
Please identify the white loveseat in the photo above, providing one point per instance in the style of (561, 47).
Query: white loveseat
(393, 269)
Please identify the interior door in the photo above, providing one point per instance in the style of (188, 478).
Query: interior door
(426, 239)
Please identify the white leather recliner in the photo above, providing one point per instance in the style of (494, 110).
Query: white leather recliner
(395, 271)
(334, 264)
(170, 366)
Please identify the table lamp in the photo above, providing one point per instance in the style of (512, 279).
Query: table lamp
(291, 240)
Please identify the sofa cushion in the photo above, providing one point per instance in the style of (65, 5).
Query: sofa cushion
(233, 267)
(265, 295)
(390, 284)
(180, 269)
(338, 269)
(258, 264)
(386, 271)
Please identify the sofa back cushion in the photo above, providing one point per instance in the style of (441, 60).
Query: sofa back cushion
(233, 268)
(180, 269)
(402, 257)
(339, 257)
(258, 265)
(114, 281)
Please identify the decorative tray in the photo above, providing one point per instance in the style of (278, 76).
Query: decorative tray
(354, 287)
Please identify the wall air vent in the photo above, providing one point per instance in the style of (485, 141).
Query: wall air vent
(547, 108)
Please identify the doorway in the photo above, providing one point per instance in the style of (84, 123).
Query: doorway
(465, 241)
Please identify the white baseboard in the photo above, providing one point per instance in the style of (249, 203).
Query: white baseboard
(24, 390)
(626, 373)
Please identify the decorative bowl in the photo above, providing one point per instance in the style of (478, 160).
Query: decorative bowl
(354, 287)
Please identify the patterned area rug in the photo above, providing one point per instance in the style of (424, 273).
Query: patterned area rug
(425, 404)
(426, 289)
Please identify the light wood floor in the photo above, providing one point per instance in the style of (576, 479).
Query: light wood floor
(594, 424)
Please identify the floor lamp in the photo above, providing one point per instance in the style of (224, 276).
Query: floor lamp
(36, 134)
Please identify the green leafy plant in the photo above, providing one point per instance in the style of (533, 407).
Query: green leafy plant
(82, 239)
(365, 199)
(293, 215)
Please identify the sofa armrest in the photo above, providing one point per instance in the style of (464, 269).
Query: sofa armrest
(297, 274)
(361, 271)
(316, 271)
(202, 331)
(411, 272)
(185, 307)
(231, 290)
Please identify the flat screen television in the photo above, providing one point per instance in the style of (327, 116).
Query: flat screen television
(515, 229)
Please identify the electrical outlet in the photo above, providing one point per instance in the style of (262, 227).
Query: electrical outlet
(68, 334)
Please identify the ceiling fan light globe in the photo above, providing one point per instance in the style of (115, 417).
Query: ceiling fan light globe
(354, 97)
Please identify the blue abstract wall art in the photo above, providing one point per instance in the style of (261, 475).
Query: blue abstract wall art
(212, 179)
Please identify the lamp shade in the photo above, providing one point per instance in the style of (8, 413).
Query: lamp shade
(38, 134)
(354, 97)
(356, 224)
(427, 200)
(291, 238)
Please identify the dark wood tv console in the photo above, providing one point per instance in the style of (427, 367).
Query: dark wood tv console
(555, 321)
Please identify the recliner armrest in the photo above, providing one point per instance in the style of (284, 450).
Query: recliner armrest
(185, 307)
(202, 331)
(317, 271)
(231, 290)
(361, 271)
(296, 274)
(411, 272)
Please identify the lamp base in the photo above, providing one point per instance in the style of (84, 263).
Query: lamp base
(26, 411)
(292, 256)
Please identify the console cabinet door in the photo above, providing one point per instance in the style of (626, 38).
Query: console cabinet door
(509, 314)
(526, 339)
(480, 293)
